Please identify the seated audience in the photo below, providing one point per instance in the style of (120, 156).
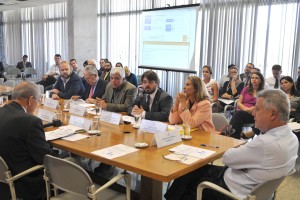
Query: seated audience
(269, 156)
(232, 88)
(52, 74)
(24, 64)
(102, 65)
(118, 64)
(288, 86)
(192, 106)
(119, 94)
(154, 104)
(95, 86)
(210, 84)
(22, 141)
(105, 75)
(75, 68)
(225, 77)
(131, 77)
(245, 77)
(246, 104)
(68, 83)
(273, 81)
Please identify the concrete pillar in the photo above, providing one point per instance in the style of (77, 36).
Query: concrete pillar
(82, 29)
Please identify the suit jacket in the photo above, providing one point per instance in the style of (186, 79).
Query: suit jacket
(103, 76)
(160, 108)
(99, 90)
(73, 87)
(23, 145)
(118, 100)
(21, 66)
(199, 116)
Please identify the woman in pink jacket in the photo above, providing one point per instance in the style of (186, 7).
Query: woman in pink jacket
(192, 106)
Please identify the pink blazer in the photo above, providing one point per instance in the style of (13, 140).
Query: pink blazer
(200, 116)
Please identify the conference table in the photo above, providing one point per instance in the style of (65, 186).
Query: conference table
(147, 162)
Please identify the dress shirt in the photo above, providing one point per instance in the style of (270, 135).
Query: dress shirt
(54, 68)
(271, 81)
(268, 156)
(150, 104)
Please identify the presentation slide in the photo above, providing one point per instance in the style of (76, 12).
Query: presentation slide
(168, 38)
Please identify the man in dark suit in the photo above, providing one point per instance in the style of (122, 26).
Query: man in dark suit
(95, 86)
(68, 83)
(106, 72)
(22, 140)
(154, 104)
(24, 63)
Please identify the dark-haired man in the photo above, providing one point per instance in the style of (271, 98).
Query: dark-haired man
(24, 63)
(245, 77)
(274, 81)
(154, 104)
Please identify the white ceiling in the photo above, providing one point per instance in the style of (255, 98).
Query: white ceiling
(15, 4)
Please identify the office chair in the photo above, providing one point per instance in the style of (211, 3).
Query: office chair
(7, 178)
(75, 182)
(263, 191)
(219, 121)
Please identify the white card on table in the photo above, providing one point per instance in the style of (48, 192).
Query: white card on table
(77, 109)
(51, 103)
(80, 121)
(167, 138)
(111, 117)
(153, 126)
(46, 115)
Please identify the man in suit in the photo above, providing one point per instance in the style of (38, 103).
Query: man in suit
(106, 73)
(22, 141)
(154, 104)
(76, 69)
(274, 81)
(119, 94)
(245, 77)
(68, 83)
(24, 63)
(95, 86)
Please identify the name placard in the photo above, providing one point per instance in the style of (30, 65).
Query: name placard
(46, 115)
(167, 138)
(111, 117)
(153, 126)
(80, 121)
(51, 103)
(77, 109)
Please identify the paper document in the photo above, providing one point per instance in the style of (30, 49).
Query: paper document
(294, 126)
(115, 151)
(192, 151)
(226, 101)
(61, 132)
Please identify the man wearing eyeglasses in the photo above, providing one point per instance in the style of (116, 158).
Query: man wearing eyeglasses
(153, 103)
(119, 94)
(22, 141)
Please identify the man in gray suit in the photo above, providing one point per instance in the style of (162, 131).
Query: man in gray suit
(119, 94)
(153, 103)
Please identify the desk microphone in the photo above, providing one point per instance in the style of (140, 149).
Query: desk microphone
(55, 123)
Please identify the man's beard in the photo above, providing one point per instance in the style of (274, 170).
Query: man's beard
(148, 91)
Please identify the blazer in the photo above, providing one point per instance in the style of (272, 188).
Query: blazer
(119, 99)
(99, 90)
(73, 87)
(22, 146)
(160, 108)
(21, 66)
(199, 116)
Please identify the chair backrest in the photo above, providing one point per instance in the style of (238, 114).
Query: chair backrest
(14, 71)
(1, 81)
(219, 121)
(9, 83)
(3, 170)
(67, 176)
(265, 191)
(30, 70)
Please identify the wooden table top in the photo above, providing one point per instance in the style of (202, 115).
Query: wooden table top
(147, 161)
(4, 89)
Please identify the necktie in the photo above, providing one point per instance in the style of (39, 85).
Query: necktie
(147, 108)
(106, 75)
(276, 83)
(91, 91)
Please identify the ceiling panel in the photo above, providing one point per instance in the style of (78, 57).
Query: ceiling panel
(14, 4)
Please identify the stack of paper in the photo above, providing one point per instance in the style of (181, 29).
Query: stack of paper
(61, 132)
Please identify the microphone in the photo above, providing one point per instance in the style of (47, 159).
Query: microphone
(140, 97)
(55, 123)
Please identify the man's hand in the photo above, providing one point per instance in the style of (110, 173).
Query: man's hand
(45, 76)
(55, 91)
(74, 98)
(55, 97)
(101, 103)
(90, 100)
(137, 111)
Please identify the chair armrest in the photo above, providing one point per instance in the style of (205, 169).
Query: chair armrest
(112, 181)
(213, 186)
(26, 172)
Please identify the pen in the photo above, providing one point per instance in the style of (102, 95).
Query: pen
(208, 145)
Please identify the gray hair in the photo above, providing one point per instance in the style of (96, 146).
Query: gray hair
(118, 70)
(91, 69)
(277, 100)
(25, 89)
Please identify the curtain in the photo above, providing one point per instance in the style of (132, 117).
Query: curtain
(39, 32)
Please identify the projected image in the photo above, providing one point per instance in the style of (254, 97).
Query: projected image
(168, 38)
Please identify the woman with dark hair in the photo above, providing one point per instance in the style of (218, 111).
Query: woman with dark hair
(288, 86)
(246, 104)
(192, 106)
(210, 84)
